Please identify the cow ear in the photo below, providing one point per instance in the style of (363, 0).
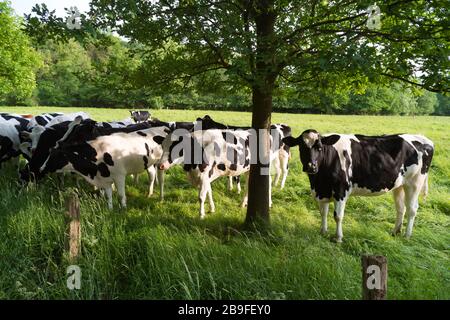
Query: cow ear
(24, 147)
(39, 129)
(207, 117)
(319, 141)
(291, 141)
(78, 120)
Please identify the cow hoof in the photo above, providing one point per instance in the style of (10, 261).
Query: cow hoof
(323, 232)
(336, 240)
(395, 232)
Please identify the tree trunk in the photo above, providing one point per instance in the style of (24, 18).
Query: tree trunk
(258, 185)
(265, 73)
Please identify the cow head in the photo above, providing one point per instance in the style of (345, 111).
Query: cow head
(78, 131)
(311, 149)
(172, 147)
(208, 123)
(180, 146)
(32, 137)
(25, 148)
(55, 162)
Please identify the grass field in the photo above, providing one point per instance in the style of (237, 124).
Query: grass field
(162, 250)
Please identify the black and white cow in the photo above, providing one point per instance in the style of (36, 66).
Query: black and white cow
(31, 138)
(207, 155)
(50, 119)
(140, 115)
(10, 127)
(116, 124)
(106, 156)
(43, 119)
(38, 124)
(280, 163)
(38, 150)
(340, 165)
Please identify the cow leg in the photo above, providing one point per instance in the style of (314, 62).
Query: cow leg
(160, 177)
(151, 171)
(270, 191)
(339, 208)
(323, 208)
(136, 178)
(212, 206)
(276, 164)
(15, 161)
(284, 161)
(238, 184)
(245, 199)
(412, 203)
(61, 180)
(108, 192)
(204, 188)
(399, 198)
(120, 184)
(230, 183)
(425, 187)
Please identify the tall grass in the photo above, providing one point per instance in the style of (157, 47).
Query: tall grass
(161, 250)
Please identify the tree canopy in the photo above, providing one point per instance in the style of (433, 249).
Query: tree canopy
(18, 59)
(311, 40)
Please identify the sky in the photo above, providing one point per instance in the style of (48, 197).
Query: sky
(24, 6)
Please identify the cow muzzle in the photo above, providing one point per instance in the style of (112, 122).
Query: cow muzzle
(311, 168)
(164, 165)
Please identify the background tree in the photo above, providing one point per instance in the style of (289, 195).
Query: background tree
(427, 103)
(62, 79)
(18, 59)
(443, 107)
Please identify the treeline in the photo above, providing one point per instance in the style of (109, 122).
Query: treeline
(96, 75)
(117, 74)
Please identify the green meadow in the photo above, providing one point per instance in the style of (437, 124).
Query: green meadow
(162, 250)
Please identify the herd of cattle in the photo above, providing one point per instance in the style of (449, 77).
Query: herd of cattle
(105, 153)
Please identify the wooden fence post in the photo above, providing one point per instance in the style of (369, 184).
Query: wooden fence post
(374, 277)
(73, 231)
